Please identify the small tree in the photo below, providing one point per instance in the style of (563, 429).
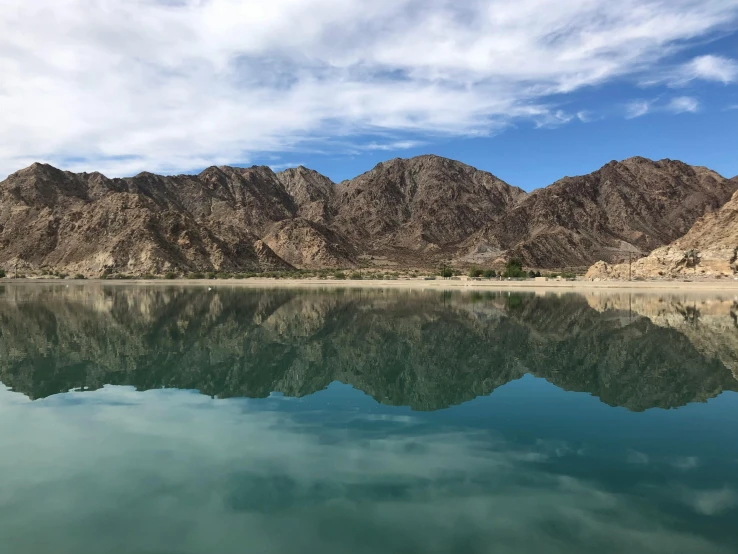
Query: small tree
(514, 269)
(475, 272)
(445, 271)
(489, 273)
(2, 273)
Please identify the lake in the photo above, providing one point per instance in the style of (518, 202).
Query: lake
(181, 420)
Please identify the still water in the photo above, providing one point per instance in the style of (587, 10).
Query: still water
(165, 420)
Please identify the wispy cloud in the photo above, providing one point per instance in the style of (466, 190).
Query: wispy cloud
(705, 68)
(637, 109)
(396, 145)
(677, 105)
(285, 165)
(172, 86)
(683, 104)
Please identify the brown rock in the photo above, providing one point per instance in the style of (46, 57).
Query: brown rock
(424, 204)
(709, 249)
(635, 205)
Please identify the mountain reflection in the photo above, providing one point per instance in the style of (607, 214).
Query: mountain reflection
(426, 350)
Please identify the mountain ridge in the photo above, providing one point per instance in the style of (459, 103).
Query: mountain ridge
(404, 212)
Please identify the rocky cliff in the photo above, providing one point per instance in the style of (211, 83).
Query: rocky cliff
(404, 212)
(709, 249)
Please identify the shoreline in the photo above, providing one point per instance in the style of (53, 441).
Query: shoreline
(418, 284)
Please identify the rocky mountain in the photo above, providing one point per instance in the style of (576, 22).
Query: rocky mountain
(405, 212)
(426, 350)
(709, 249)
(421, 207)
(635, 205)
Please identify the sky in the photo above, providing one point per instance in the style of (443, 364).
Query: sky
(532, 90)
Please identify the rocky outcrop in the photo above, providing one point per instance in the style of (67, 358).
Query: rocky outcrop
(709, 249)
(635, 205)
(403, 213)
(312, 192)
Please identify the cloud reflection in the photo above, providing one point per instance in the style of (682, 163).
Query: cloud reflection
(175, 471)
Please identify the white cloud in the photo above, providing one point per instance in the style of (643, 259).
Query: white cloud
(396, 145)
(285, 165)
(707, 68)
(169, 86)
(713, 68)
(679, 104)
(637, 109)
(683, 104)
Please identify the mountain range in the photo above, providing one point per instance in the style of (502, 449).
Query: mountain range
(404, 213)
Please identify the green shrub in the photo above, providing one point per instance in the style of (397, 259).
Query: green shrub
(514, 269)
(339, 275)
(62, 275)
(210, 275)
(356, 276)
(475, 272)
(170, 275)
(79, 276)
(445, 272)
(2, 273)
(195, 275)
(489, 273)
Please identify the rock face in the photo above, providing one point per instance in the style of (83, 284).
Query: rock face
(404, 212)
(635, 205)
(88, 223)
(709, 249)
(421, 205)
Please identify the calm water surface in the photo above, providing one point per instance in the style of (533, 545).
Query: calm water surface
(167, 420)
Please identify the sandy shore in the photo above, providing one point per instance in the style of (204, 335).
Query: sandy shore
(438, 284)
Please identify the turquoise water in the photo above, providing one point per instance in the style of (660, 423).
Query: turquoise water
(181, 420)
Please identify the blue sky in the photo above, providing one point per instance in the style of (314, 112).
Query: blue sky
(530, 91)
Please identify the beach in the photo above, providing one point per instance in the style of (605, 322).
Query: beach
(717, 285)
